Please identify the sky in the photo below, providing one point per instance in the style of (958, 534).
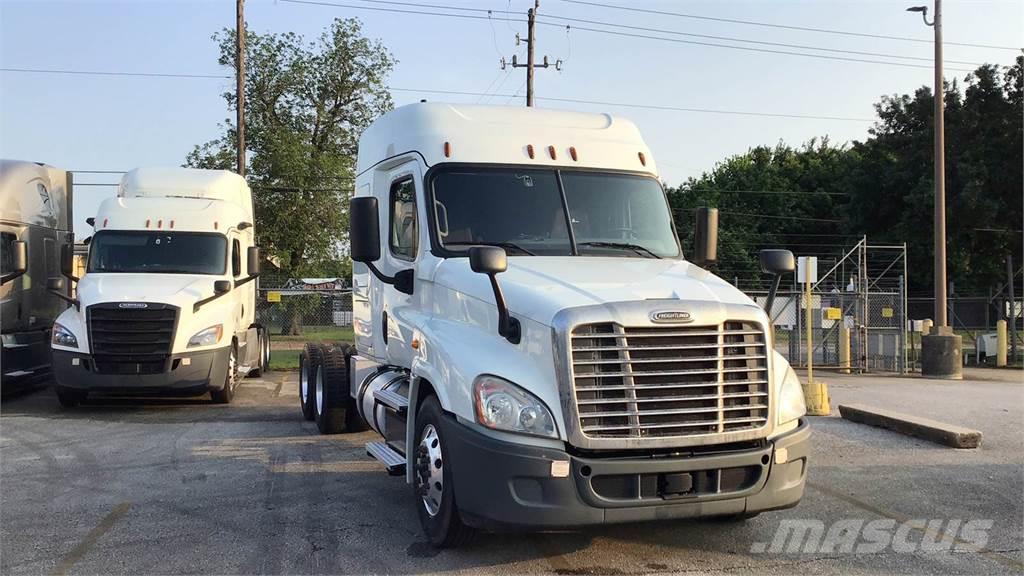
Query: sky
(94, 122)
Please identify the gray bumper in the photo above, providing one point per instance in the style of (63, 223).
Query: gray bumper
(503, 485)
(205, 370)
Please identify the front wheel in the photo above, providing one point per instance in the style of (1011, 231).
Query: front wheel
(227, 393)
(433, 481)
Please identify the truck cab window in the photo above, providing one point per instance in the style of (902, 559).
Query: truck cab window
(6, 247)
(404, 235)
(236, 258)
(150, 252)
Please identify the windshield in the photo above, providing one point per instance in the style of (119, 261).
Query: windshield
(157, 252)
(524, 211)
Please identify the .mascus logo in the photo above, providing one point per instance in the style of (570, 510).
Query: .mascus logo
(133, 305)
(671, 317)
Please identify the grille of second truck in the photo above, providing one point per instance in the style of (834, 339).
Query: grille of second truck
(669, 381)
(131, 341)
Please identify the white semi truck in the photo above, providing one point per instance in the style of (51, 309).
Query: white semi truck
(167, 303)
(531, 343)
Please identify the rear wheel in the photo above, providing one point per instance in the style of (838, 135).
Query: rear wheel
(70, 397)
(227, 393)
(309, 360)
(261, 359)
(432, 481)
(331, 383)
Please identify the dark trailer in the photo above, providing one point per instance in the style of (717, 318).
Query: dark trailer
(35, 224)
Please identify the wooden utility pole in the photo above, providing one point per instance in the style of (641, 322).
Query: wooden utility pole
(531, 17)
(240, 82)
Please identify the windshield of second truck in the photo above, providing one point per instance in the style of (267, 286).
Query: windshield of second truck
(525, 212)
(158, 252)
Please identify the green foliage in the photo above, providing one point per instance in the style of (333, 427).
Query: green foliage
(307, 102)
(883, 187)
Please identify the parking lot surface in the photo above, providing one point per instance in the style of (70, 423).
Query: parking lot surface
(182, 486)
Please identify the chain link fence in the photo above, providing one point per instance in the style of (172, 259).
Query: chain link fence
(314, 308)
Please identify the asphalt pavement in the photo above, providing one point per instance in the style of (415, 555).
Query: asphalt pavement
(183, 486)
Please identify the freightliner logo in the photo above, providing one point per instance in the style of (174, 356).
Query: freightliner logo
(133, 305)
(671, 317)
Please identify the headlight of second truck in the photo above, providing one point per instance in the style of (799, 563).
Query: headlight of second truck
(502, 405)
(206, 337)
(791, 398)
(63, 337)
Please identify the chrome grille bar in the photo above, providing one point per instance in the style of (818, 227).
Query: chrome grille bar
(655, 381)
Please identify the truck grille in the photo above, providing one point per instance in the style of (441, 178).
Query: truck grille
(669, 381)
(131, 340)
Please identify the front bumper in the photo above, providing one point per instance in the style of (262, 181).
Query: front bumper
(503, 485)
(206, 370)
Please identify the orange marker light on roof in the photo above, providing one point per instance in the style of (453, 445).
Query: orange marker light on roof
(447, 150)
(172, 224)
(643, 159)
(159, 223)
(551, 152)
(529, 150)
(104, 222)
(572, 152)
(215, 226)
(147, 222)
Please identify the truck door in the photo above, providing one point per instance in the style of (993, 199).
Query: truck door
(402, 250)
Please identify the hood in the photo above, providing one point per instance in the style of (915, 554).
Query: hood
(177, 289)
(538, 287)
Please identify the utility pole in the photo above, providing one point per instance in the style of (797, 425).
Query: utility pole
(530, 65)
(240, 82)
(940, 351)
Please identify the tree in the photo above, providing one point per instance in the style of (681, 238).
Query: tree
(307, 102)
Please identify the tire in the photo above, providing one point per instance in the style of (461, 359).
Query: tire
(309, 361)
(331, 391)
(260, 365)
(227, 393)
(437, 508)
(70, 397)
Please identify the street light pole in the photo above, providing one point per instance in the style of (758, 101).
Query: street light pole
(940, 351)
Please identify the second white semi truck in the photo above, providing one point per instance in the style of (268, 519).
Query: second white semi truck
(531, 343)
(167, 303)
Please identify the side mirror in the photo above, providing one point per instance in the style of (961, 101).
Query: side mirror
(55, 284)
(252, 263)
(19, 261)
(67, 255)
(222, 286)
(91, 221)
(777, 261)
(488, 259)
(364, 229)
(705, 236)
(87, 240)
(492, 260)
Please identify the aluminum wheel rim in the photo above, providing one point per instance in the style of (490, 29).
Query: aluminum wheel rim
(232, 369)
(430, 470)
(319, 391)
(303, 382)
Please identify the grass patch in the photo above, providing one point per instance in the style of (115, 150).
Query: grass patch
(317, 334)
(284, 359)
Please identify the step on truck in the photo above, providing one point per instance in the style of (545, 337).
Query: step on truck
(167, 303)
(531, 344)
(35, 231)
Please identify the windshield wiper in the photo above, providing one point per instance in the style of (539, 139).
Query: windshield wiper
(511, 245)
(642, 250)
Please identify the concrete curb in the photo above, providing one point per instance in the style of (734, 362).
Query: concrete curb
(924, 428)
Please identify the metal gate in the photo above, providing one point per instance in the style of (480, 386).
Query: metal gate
(862, 290)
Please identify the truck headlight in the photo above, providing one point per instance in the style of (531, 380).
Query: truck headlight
(791, 398)
(206, 337)
(63, 337)
(502, 405)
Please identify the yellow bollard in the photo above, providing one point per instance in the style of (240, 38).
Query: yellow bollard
(844, 349)
(1000, 343)
(815, 393)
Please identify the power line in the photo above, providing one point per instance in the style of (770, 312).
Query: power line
(761, 42)
(774, 217)
(775, 192)
(750, 49)
(108, 73)
(597, 30)
(783, 26)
